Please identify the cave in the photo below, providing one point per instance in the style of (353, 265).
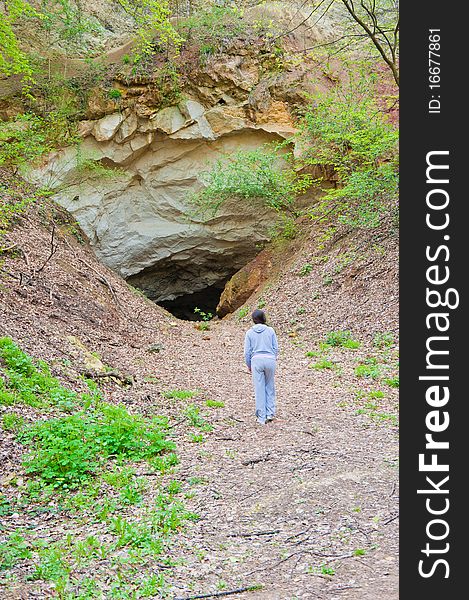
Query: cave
(183, 307)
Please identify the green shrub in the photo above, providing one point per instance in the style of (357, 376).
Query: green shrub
(192, 414)
(215, 403)
(13, 550)
(324, 363)
(344, 131)
(306, 269)
(341, 339)
(66, 452)
(114, 94)
(242, 312)
(164, 463)
(393, 381)
(250, 175)
(213, 25)
(12, 422)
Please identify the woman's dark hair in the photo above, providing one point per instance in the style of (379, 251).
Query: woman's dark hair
(258, 316)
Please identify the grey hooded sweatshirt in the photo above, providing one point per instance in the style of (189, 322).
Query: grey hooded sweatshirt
(260, 339)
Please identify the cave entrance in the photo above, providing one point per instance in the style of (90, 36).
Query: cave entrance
(206, 301)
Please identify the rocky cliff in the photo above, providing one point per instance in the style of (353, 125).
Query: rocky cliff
(141, 155)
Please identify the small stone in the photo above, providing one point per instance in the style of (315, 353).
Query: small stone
(155, 348)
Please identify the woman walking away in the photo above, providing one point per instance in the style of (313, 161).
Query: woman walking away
(260, 353)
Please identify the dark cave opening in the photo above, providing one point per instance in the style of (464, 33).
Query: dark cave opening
(206, 301)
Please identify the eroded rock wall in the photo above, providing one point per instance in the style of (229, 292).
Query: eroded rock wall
(136, 211)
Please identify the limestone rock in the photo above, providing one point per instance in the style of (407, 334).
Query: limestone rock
(140, 221)
(191, 109)
(224, 120)
(168, 120)
(99, 105)
(199, 130)
(85, 128)
(106, 128)
(127, 128)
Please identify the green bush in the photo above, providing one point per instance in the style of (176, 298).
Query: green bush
(210, 27)
(64, 452)
(12, 422)
(22, 140)
(13, 550)
(344, 131)
(67, 451)
(262, 174)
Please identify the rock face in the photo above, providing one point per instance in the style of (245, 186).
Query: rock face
(128, 184)
(136, 212)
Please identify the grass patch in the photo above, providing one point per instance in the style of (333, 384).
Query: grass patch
(392, 381)
(81, 462)
(25, 381)
(383, 340)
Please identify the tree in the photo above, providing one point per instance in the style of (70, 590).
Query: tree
(362, 21)
(380, 22)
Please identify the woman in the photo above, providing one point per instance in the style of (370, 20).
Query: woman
(260, 354)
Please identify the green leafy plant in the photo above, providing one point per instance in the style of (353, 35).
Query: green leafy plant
(215, 403)
(248, 175)
(324, 364)
(13, 60)
(242, 312)
(383, 340)
(28, 382)
(392, 381)
(341, 339)
(192, 414)
(179, 394)
(114, 94)
(13, 550)
(205, 316)
(345, 133)
(369, 368)
(306, 269)
(13, 422)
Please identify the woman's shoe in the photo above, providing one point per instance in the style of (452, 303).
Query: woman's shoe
(260, 421)
(270, 418)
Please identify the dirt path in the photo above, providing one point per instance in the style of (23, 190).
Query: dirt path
(306, 505)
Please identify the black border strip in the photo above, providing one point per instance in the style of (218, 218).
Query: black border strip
(433, 251)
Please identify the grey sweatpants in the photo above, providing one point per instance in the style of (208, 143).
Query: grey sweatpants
(263, 371)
